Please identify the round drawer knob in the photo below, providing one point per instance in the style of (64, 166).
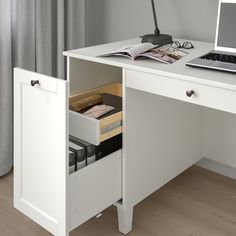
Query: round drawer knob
(34, 82)
(189, 92)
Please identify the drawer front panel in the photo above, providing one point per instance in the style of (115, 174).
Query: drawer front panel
(40, 141)
(94, 188)
(92, 130)
(205, 95)
(84, 127)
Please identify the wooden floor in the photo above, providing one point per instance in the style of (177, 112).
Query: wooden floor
(196, 203)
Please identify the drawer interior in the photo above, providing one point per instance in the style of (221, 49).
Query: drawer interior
(96, 130)
(83, 154)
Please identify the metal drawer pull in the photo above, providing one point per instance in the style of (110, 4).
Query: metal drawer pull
(34, 82)
(190, 93)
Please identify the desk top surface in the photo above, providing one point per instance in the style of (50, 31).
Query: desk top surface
(176, 70)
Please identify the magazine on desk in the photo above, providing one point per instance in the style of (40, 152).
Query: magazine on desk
(165, 54)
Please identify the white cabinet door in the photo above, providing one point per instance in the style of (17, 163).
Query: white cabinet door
(40, 149)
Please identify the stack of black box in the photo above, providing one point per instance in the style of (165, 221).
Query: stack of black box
(82, 154)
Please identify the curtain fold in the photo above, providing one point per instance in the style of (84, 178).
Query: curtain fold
(33, 35)
(6, 141)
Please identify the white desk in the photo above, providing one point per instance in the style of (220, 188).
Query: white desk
(164, 133)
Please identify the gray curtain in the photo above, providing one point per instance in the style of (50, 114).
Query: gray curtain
(33, 35)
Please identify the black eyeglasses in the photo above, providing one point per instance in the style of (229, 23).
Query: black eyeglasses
(185, 45)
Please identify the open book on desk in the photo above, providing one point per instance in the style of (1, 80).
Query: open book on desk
(165, 54)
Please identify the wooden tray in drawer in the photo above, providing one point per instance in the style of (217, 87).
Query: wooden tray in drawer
(96, 130)
(94, 188)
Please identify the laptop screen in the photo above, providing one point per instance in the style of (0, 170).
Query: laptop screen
(227, 26)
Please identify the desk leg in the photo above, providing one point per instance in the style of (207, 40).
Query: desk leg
(62, 233)
(125, 219)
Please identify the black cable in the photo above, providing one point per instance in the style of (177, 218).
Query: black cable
(157, 31)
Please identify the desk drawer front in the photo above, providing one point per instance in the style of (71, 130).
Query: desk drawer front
(205, 95)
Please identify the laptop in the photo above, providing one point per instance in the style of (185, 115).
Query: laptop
(223, 57)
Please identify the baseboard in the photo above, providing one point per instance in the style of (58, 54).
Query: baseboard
(217, 167)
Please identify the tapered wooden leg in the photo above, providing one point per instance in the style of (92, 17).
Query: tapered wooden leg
(125, 219)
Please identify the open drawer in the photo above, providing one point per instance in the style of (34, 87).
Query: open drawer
(96, 130)
(43, 189)
(94, 188)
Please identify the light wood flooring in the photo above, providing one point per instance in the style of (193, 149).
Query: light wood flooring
(196, 203)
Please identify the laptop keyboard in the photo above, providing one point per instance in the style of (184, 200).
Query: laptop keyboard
(220, 57)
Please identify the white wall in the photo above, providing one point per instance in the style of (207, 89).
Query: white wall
(112, 20)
